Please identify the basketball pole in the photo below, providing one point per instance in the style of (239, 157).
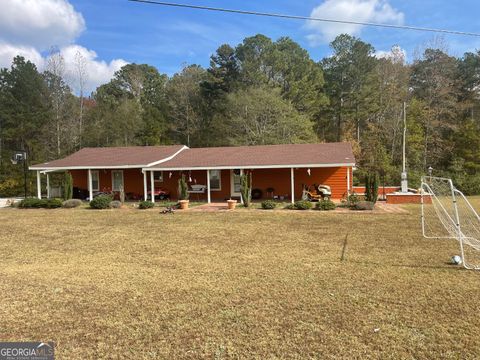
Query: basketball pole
(25, 169)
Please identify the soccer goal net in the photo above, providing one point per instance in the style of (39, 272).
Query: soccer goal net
(447, 214)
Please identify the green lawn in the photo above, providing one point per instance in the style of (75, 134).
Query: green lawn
(244, 284)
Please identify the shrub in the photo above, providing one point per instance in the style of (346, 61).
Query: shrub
(246, 188)
(352, 200)
(72, 203)
(325, 204)
(29, 203)
(101, 202)
(53, 203)
(364, 205)
(371, 187)
(182, 188)
(146, 205)
(115, 204)
(68, 186)
(10, 187)
(290, 207)
(34, 203)
(303, 205)
(269, 204)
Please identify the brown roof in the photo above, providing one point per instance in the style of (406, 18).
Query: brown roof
(130, 156)
(262, 156)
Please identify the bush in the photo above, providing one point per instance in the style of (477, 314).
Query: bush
(303, 205)
(269, 204)
(115, 204)
(10, 187)
(34, 203)
(182, 188)
(371, 187)
(68, 186)
(101, 202)
(53, 203)
(246, 188)
(325, 204)
(290, 207)
(364, 205)
(72, 203)
(29, 203)
(146, 205)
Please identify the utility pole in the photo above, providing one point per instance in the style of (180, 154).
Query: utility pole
(404, 181)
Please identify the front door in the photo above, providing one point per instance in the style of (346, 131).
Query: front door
(235, 182)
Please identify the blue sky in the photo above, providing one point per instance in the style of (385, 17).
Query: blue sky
(168, 37)
(110, 33)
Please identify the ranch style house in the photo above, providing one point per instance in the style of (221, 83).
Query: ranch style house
(213, 174)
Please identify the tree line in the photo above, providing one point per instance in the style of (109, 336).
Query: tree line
(259, 92)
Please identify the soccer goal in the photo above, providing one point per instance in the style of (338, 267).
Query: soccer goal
(447, 214)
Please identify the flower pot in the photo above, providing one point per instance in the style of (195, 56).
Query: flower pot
(183, 204)
(231, 204)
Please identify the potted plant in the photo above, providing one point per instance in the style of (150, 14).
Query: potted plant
(231, 204)
(183, 193)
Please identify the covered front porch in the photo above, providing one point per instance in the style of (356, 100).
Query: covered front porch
(221, 184)
(205, 185)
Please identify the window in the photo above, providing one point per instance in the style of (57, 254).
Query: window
(158, 176)
(215, 180)
(95, 181)
(117, 180)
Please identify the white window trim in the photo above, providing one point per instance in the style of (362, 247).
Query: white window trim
(123, 180)
(161, 175)
(98, 180)
(219, 180)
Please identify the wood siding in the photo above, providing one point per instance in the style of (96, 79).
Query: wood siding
(279, 179)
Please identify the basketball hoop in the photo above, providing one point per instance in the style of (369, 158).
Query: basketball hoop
(18, 156)
(21, 156)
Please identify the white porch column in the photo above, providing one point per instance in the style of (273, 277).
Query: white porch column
(241, 197)
(39, 185)
(348, 179)
(90, 186)
(48, 186)
(152, 186)
(292, 184)
(145, 186)
(209, 200)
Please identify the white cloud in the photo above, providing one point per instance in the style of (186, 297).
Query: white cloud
(30, 27)
(379, 11)
(396, 54)
(40, 23)
(9, 51)
(97, 71)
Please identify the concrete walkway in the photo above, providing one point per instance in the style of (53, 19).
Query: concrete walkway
(390, 208)
(221, 206)
(6, 202)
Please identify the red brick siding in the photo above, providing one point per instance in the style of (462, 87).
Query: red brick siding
(407, 199)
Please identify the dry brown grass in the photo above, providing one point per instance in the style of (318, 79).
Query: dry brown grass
(250, 284)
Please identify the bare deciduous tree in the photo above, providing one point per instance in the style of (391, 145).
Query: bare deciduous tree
(80, 70)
